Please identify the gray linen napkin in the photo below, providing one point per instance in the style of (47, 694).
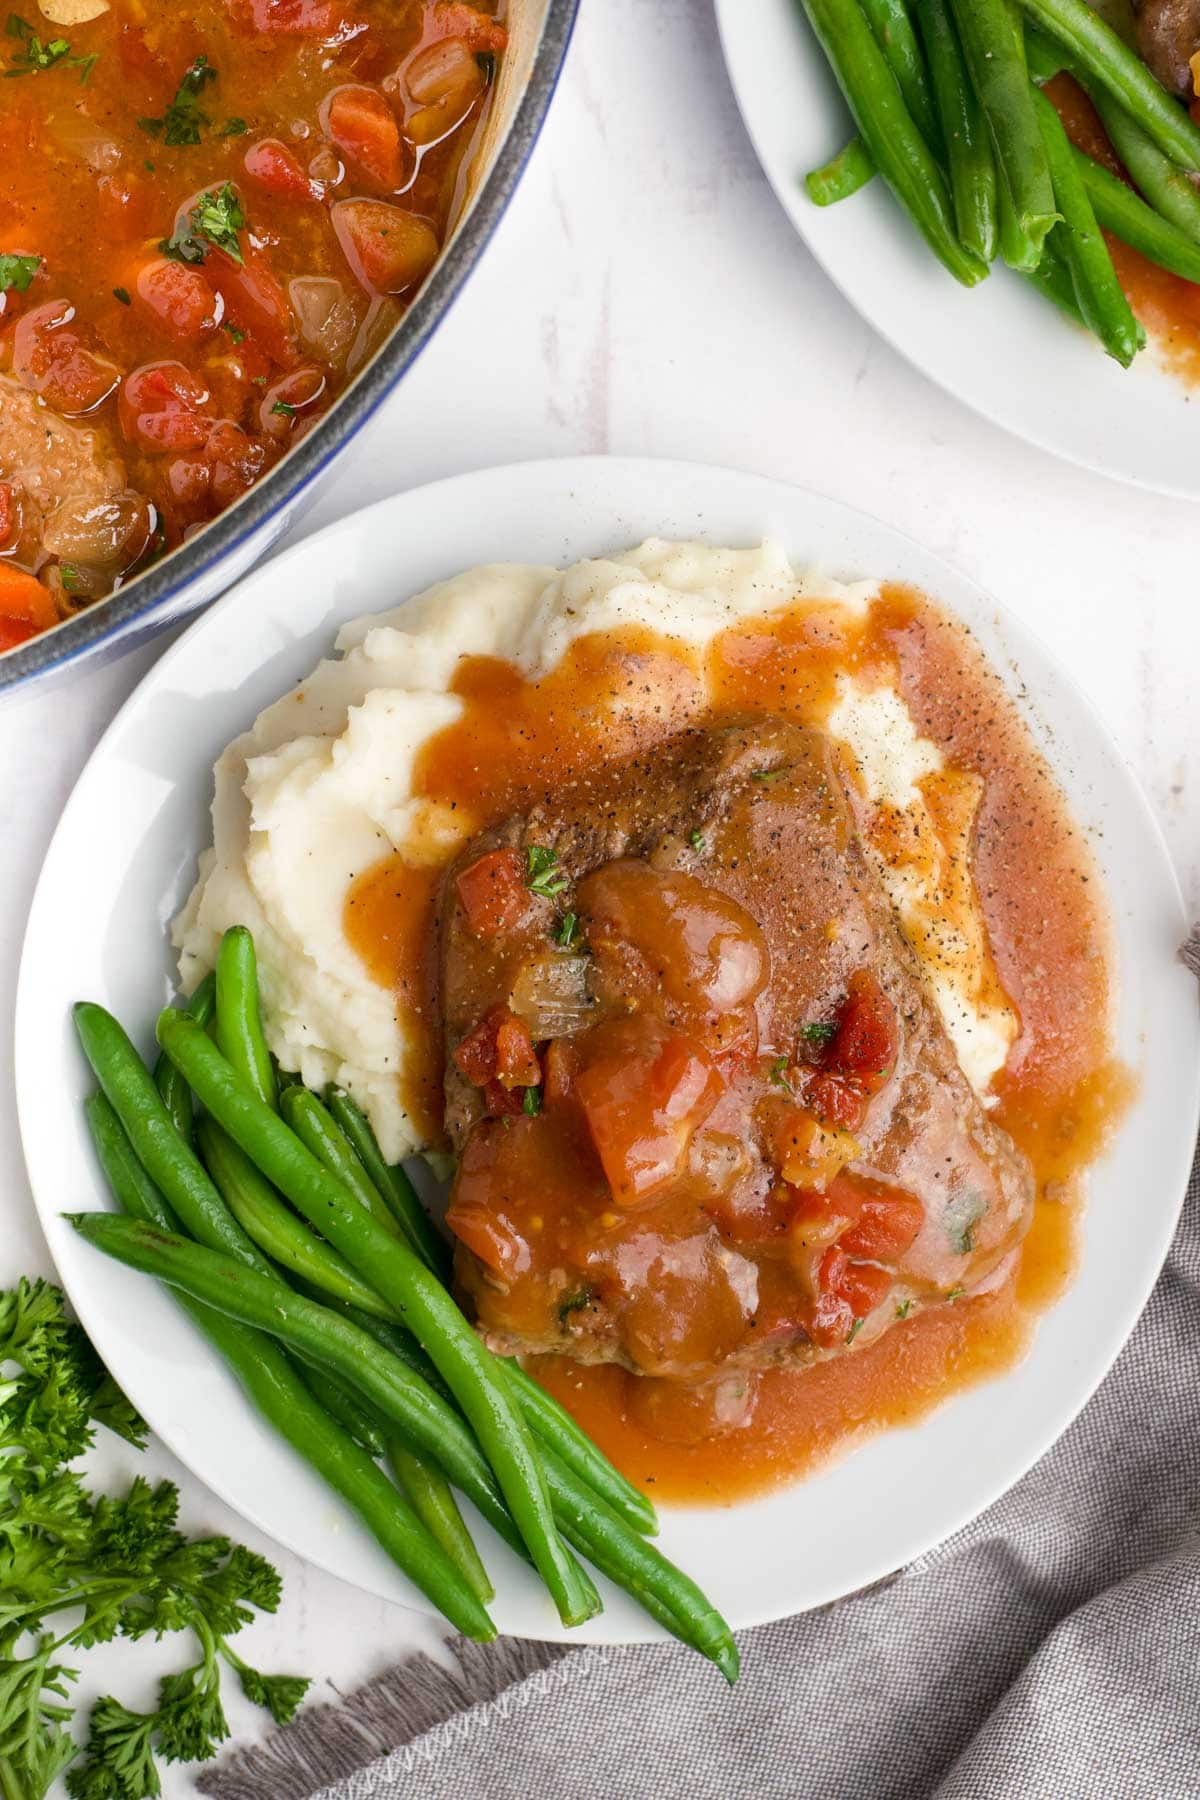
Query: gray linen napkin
(1050, 1650)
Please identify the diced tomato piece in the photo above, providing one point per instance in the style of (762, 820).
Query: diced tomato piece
(835, 1101)
(455, 19)
(832, 1317)
(847, 1291)
(273, 166)
(364, 128)
(475, 1056)
(504, 1102)
(644, 1091)
(26, 607)
(162, 407)
(482, 1226)
(516, 1060)
(49, 357)
(9, 517)
(255, 302)
(388, 249)
(179, 297)
(809, 1152)
(14, 632)
(887, 1226)
(867, 1037)
(492, 893)
(290, 401)
(561, 1060)
(863, 1287)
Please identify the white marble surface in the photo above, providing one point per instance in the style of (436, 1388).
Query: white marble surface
(646, 295)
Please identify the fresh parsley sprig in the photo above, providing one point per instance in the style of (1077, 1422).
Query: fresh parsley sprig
(183, 122)
(116, 1564)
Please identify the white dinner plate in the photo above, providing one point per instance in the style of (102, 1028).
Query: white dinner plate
(124, 856)
(1000, 347)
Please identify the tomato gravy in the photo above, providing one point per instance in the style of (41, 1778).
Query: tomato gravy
(621, 693)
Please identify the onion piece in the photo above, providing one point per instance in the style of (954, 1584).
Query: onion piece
(325, 317)
(550, 996)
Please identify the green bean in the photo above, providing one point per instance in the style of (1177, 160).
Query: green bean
(171, 1164)
(316, 1129)
(176, 1095)
(617, 1551)
(1164, 184)
(276, 1391)
(1101, 297)
(432, 1499)
(401, 1277)
(551, 1423)
(640, 1568)
(397, 1190)
(1127, 216)
(273, 1225)
(351, 1414)
(1101, 54)
(1053, 279)
(893, 28)
(321, 1338)
(557, 1430)
(997, 70)
(239, 1014)
(965, 133)
(842, 175)
(900, 152)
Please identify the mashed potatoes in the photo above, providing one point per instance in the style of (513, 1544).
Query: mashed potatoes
(321, 786)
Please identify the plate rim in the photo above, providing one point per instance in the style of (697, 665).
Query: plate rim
(729, 15)
(574, 473)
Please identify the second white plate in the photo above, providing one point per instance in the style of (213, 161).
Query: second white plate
(1000, 347)
(124, 856)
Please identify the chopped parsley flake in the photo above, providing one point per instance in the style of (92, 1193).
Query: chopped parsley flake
(568, 930)
(238, 336)
(698, 841)
(854, 1331)
(532, 1102)
(36, 54)
(234, 128)
(122, 294)
(956, 1293)
(16, 272)
(69, 578)
(778, 1073)
(214, 222)
(766, 776)
(573, 1303)
(540, 878)
(903, 1308)
(282, 407)
(183, 121)
(818, 1031)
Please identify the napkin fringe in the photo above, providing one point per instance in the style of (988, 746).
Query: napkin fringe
(1190, 950)
(329, 1742)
